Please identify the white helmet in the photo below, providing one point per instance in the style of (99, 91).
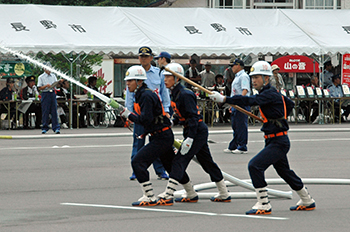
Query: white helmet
(136, 72)
(261, 68)
(175, 67)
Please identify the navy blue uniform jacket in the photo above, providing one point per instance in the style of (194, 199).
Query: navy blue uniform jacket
(271, 104)
(150, 115)
(184, 103)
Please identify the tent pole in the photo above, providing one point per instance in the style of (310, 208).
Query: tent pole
(71, 61)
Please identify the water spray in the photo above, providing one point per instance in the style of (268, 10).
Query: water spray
(103, 98)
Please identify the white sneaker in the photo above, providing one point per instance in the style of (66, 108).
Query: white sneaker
(227, 150)
(239, 152)
(64, 126)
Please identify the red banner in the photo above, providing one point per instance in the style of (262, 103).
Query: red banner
(345, 69)
(296, 64)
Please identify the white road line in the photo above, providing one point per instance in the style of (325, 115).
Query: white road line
(175, 211)
(65, 147)
(129, 145)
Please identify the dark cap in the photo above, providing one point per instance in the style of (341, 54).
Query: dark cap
(163, 54)
(238, 61)
(10, 80)
(146, 51)
(328, 63)
(30, 78)
(335, 77)
(193, 61)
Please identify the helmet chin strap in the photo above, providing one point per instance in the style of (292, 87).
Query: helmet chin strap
(175, 84)
(137, 86)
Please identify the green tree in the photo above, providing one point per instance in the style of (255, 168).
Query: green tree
(60, 63)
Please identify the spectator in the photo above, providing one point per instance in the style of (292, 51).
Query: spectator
(207, 76)
(154, 81)
(327, 74)
(229, 76)
(276, 79)
(163, 59)
(48, 100)
(192, 74)
(92, 82)
(6, 94)
(314, 106)
(220, 87)
(335, 90)
(62, 106)
(66, 95)
(31, 92)
(239, 121)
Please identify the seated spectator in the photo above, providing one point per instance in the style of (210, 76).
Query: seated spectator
(207, 76)
(92, 81)
(6, 95)
(192, 74)
(66, 95)
(335, 90)
(224, 112)
(30, 92)
(311, 110)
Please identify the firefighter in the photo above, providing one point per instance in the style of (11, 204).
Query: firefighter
(150, 114)
(274, 108)
(184, 104)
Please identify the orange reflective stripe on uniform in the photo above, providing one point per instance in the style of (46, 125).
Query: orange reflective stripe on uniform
(263, 116)
(137, 108)
(177, 112)
(284, 108)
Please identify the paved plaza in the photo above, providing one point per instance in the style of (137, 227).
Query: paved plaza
(79, 181)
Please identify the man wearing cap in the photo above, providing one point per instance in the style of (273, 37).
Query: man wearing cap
(163, 59)
(6, 95)
(154, 81)
(276, 79)
(48, 100)
(239, 121)
(31, 92)
(6, 92)
(207, 76)
(229, 76)
(326, 76)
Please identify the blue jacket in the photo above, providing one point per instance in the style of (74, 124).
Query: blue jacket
(186, 113)
(149, 110)
(271, 105)
(6, 94)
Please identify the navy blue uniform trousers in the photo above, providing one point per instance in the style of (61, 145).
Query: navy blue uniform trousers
(274, 153)
(139, 143)
(49, 106)
(239, 124)
(160, 146)
(201, 150)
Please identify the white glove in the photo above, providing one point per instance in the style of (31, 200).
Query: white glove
(186, 146)
(125, 112)
(217, 97)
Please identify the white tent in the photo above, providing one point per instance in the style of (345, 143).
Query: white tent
(214, 32)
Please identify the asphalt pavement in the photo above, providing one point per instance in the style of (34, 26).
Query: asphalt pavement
(79, 181)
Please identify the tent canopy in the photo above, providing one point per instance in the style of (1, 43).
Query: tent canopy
(182, 31)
